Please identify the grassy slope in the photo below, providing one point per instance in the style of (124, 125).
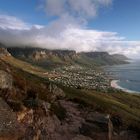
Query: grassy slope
(24, 66)
(26, 81)
(125, 105)
(98, 60)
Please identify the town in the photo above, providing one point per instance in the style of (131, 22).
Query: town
(81, 77)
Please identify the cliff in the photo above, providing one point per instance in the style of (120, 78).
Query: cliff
(53, 58)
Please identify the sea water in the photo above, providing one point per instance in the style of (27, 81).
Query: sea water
(127, 75)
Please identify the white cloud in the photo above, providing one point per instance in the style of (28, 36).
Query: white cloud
(10, 22)
(68, 36)
(55, 7)
(69, 31)
(76, 8)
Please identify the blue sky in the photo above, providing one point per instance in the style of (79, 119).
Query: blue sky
(122, 16)
(80, 25)
(28, 10)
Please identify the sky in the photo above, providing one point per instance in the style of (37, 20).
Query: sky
(80, 25)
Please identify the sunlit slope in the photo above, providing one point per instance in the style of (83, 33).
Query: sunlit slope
(24, 65)
(124, 105)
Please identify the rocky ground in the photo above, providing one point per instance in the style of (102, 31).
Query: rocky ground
(34, 109)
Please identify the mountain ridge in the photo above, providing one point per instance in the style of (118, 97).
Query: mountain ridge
(51, 58)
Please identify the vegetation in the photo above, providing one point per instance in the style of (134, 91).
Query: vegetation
(59, 111)
(125, 105)
(52, 58)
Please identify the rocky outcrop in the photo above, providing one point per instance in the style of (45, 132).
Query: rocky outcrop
(38, 55)
(97, 125)
(4, 52)
(9, 125)
(5, 80)
(56, 92)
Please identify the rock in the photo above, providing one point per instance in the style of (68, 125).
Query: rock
(57, 93)
(81, 137)
(47, 107)
(97, 117)
(126, 135)
(73, 121)
(97, 125)
(117, 121)
(39, 55)
(4, 52)
(9, 125)
(25, 116)
(5, 80)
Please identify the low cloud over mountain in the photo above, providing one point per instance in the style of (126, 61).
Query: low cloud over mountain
(68, 31)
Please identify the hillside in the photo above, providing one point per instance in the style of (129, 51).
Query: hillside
(45, 110)
(104, 58)
(120, 57)
(43, 57)
(53, 58)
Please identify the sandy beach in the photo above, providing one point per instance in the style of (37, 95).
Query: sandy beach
(114, 84)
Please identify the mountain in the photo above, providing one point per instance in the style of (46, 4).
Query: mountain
(120, 57)
(44, 57)
(104, 58)
(53, 58)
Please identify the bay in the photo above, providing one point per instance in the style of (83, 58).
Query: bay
(127, 76)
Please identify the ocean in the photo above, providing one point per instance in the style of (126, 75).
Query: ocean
(126, 77)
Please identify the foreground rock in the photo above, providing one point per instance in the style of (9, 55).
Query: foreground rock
(97, 125)
(9, 125)
(56, 92)
(5, 80)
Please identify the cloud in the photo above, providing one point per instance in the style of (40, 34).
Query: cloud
(67, 31)
(72, 37)
(10, 22)
(76, 8)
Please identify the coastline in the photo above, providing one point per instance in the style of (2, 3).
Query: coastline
(114, 84)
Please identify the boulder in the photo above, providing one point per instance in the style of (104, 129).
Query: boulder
(97, 117)
(97, 125)
(5, 80)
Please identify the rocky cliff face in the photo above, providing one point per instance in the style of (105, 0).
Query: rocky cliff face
(4, 52)
(50, 55)
(6, 80)
(41, 54)
(53, 58)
